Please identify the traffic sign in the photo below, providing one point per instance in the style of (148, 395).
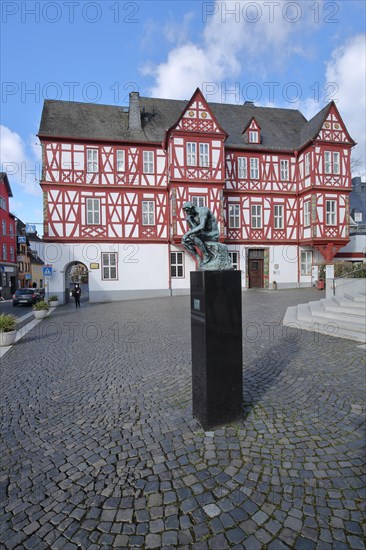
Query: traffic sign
(30, 228)
(47, 271)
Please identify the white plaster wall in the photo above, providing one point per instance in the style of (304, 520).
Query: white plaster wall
(184, 283)
(141, 267)
(283, 262)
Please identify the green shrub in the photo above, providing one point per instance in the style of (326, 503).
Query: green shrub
(345, 270)
(53, 298)
(7, 322)
(39, 306)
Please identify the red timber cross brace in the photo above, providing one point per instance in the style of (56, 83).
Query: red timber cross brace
(329, 250)
(197, 168)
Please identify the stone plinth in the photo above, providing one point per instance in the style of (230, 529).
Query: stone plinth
(217, 374)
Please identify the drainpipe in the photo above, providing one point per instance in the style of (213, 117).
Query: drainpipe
(165, 147)
(296, 154)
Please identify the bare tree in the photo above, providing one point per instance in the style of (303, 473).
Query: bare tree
(356, 164)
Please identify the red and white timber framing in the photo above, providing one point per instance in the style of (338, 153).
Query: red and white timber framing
(194, 162)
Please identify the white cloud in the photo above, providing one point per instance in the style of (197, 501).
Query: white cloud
(21, 168)
(35, 147)
(231, 43)
(177, 32)
(347, 70)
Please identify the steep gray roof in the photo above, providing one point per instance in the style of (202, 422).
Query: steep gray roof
(312, 128)
(283, 129)
(358, 196)
(5, 179)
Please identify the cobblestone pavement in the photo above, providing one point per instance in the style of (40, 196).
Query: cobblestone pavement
(100, 450)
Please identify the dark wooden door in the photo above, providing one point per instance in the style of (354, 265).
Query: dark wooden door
(256, 273)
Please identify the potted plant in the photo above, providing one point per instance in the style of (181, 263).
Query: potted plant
(40, 309)
(53, 300)
(7, 329)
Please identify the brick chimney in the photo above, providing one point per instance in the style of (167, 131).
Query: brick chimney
(134, 115)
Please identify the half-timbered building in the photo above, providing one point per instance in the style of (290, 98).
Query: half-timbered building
(115, 178)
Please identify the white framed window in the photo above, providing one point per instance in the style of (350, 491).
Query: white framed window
(148, 164)
(256, 219)
(12, 257)
(148, 213)
(330, 212)
(191, 149)
(336, 163)
(357, 216)
(242, 168)
(109, 266)
(327, 162)
(11, 230)
(3, 227)
(306, 262)
(332, 162)
(253, 136)
(306, 213)
(204, 155)
(120, 160)
(307, 164)
(284, 170)
(234, 257)
(234, 216)
(92, 160)
(92, 211)
(2, 203)
(177, 265)
(254, 168)
(198, 200)
(4, 252)
(278, 216)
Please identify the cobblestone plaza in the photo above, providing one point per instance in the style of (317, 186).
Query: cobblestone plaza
(100, 450)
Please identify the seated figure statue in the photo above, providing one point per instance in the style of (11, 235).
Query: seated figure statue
(201, 240)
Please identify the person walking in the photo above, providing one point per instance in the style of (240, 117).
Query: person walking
(77, 294)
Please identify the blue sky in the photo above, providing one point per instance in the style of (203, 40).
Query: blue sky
(290, 54)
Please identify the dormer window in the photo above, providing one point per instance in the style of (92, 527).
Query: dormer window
(253, 136)
(252, 132)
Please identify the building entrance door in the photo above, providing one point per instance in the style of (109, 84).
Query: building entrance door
(256, 273)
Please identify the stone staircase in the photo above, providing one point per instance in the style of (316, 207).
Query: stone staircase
(342, 317)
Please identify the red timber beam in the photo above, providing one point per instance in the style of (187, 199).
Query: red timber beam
(329, 250)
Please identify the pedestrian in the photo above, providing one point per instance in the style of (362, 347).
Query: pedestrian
(77, 294)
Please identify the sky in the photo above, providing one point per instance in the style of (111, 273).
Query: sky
(293, 54)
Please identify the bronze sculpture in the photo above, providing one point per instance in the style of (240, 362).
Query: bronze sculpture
(201, 240)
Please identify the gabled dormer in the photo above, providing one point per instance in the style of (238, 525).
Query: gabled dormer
(333, 128)
(198, 117)
(252, 132)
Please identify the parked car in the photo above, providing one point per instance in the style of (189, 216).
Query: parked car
(25, 296)
(40, 293)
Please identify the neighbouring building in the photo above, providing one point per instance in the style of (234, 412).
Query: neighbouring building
(355, 250)
(115, 178)
(23, 256)
(36, 267)
(8, 262)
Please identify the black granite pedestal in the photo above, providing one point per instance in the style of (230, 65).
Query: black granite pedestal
(217, 372)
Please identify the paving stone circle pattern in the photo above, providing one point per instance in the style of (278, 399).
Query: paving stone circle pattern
(100, 450)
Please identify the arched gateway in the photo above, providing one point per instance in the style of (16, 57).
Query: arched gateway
(76, 273)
